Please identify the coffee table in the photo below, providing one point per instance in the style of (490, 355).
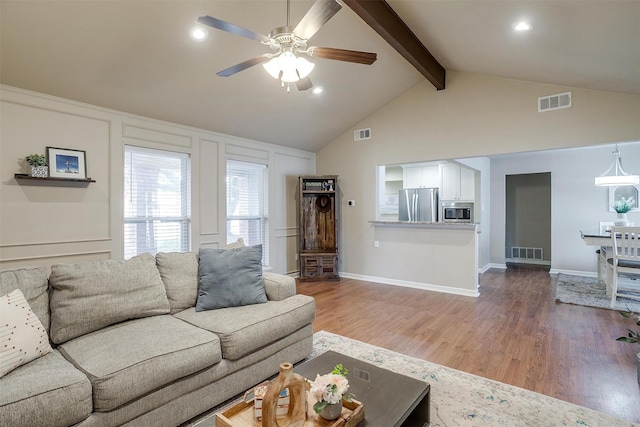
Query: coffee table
(390, 399)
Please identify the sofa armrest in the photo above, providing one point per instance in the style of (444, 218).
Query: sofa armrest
(278, 286)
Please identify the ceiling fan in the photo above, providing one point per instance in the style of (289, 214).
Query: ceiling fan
(288, 44)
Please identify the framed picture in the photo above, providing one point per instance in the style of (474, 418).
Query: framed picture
(626, 191)
(67, 163)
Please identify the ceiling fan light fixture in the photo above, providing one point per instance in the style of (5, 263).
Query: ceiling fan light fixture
(272, 67)
(290, 76)
(615, 175)
(287, 62)
(288, 67)
(304, 67)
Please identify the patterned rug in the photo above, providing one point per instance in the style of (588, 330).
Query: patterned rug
(460, 399)
(581, 290)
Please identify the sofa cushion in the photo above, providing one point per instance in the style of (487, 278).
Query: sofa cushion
(278, 286)
(22, 336)
(234, 245)
(179, 273)
(230, 278)
(49, 391)
(33, 283)
(91, 295)
(243, 330)
(130, 359)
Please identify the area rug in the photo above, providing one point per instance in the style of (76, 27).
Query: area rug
(581, 290)
(461, 399)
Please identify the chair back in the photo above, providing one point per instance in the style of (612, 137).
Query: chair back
(605, 226)
(625, 242)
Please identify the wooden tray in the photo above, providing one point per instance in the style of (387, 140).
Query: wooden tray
(241, 415)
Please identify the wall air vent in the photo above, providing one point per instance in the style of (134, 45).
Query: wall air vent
(554, 102)
(361, 134)
(526, 253)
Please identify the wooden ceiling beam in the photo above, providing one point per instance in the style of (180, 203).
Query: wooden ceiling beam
(386, 22)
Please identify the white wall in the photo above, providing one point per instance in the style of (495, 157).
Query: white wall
(42, 225)
(475, 116)
(576, 203)
(482, 212)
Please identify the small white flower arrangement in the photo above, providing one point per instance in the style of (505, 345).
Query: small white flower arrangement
(330, 388)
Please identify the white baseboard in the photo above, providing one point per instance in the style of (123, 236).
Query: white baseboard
(486, 268)
(496, 265)
(415, 285)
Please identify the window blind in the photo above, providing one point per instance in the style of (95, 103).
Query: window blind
(157, 205)
(247, 205)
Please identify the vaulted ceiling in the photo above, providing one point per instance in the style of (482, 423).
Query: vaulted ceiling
(137, 57)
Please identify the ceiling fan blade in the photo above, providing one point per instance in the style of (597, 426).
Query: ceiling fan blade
(243, 65)
(316, 17)
(304, 84)
(358, 57)
(232, 28)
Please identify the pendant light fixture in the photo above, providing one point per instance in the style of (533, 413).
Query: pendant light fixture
(615, 175)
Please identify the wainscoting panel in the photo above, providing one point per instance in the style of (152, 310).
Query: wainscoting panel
(238, 150)
(208, 183)
(151, 135)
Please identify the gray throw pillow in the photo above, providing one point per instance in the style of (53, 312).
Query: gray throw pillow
(230, 278)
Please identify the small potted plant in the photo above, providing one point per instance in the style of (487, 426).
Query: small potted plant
(38, 164)
(622, 206)
(632, 337)
(329, 390)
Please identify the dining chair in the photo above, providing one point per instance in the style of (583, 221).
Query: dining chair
(625, 259)
(601, 253)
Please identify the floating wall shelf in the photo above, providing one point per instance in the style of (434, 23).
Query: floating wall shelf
(57, 182)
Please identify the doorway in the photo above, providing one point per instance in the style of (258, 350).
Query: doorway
(528, 219)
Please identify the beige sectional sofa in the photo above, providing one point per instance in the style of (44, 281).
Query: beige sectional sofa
(130, 348)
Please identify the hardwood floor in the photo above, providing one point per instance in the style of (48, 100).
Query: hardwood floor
(514, 332)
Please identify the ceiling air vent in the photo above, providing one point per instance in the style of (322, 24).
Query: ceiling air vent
(554, 102)
(361, 134)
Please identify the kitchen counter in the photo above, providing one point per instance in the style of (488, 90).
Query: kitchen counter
(443, 255)
(426, 224)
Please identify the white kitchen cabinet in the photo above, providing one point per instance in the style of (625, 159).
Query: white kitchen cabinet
(458, 182)
(421, 176)
(467, 184)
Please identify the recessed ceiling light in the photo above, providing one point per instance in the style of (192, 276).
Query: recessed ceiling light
(317, 90)
(522, 26)
(198, 33)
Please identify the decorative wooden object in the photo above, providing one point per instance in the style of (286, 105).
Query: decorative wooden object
(318, 241)
(297, 413)
(242, 415)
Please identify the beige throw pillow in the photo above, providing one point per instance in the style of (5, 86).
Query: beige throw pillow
(22, 336)
(179, 273)
(94, 294)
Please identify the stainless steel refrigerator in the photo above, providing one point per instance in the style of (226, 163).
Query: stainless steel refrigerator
(418, 204)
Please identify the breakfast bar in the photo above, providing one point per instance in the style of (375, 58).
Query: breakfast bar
(443, 256)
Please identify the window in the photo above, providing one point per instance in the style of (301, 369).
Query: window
(247, 205)
(157, 207)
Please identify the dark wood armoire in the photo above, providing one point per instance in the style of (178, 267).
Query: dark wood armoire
(318, 241)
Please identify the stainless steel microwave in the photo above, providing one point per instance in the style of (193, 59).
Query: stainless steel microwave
(457, 212)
